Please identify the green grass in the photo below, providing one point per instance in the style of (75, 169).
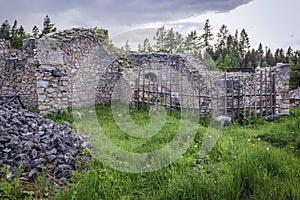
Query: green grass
(256, 161)
(259, 160)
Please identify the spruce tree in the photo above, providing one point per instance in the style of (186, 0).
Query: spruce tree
(159, 38)
(35, 31)
(244, 44)
(269, 57)
(14, 29)
(222, 38)
(207, 37)
(21, 32)
(5, 30)
(146, 46)
(190, 44)
(48, 27)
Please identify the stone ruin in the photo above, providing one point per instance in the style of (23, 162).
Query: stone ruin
(74, 68)
(156, 79)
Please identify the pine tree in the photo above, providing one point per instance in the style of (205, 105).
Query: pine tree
(140, 49)
(229, 44)
(279, 56)
(48, 27)
(269, 57)
(236, 57)
(5, 30)
(248, 60)
(244, 44)
(207, 37)
(282, 56)
(235, 45)
(159, 38)
(222, 38)
(14, 29)
(127, 47)
(35, 31)
(190, 43)
(21, 32)
(254, 58)
(260, 54)
(295, 75)
(170, 41)
(178, 42)
(146, 46)
(289, 54)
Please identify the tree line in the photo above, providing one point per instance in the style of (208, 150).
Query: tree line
(226, 50)
(15, 33)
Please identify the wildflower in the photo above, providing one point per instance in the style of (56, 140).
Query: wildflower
(258, 139)
(267, 149)
(249, 140)
(196, 145)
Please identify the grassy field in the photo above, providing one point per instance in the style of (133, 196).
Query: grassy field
(259, 160)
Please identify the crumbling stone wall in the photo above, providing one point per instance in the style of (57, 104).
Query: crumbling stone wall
(69, 64)
(264, 92)
(51, 69)
(74, 68)
(17, 75)
(167, 74)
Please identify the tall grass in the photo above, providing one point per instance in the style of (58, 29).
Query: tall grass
(256, 161)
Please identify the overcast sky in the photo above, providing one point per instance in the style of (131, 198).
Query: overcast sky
(272, 22)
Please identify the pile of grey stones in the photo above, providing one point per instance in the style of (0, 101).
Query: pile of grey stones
(38, 145)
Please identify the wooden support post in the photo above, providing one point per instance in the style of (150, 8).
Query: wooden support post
(239, 93)
(232, 98)
(261, 88)
(225, 99)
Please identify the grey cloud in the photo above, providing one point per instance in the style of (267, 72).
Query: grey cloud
(137, 11)
(115, 12)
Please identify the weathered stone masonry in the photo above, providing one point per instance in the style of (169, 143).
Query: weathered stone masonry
(64, 68)
(264, 92)
(17, 74)
(44, 72)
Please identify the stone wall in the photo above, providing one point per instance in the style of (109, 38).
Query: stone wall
(264, 92)
(167, 74)
(69, 64)
(17, 75)
(51, 69)
(73, 68)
